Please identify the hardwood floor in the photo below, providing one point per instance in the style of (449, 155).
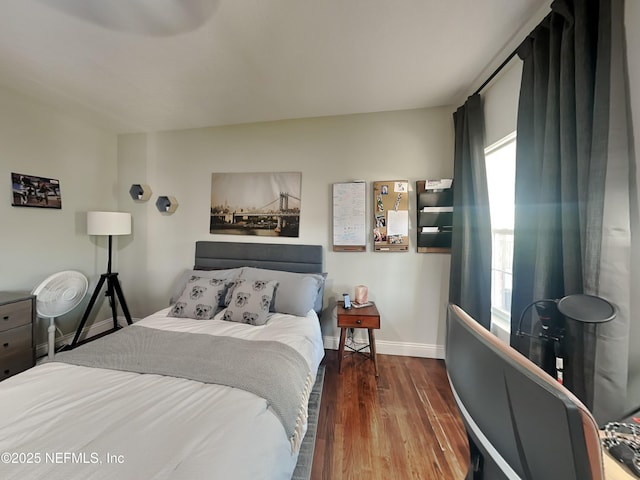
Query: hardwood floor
(402, 425)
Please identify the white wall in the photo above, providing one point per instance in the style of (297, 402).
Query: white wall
(500, 100)
(411, 289)
(37, 242)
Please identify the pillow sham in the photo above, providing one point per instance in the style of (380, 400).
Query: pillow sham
(228, 274)
(297, 292)
(200, 298)
(250, 300)
(232, 287)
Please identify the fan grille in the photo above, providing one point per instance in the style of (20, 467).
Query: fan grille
(60, 293)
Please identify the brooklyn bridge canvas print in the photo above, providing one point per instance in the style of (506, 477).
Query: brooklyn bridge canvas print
(265, 204)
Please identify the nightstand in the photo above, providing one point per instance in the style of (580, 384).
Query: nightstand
(17, 321)
(365, 317)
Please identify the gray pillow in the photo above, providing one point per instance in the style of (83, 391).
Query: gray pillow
(228, 274)
(232, 286)
(250, 302)
(200, 298)
(297, 292)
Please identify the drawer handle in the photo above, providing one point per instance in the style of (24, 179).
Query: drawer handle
(6, 372)
(6, 317)
(5, 345)
(358, 321)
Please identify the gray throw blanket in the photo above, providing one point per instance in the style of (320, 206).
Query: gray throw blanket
(269, 369)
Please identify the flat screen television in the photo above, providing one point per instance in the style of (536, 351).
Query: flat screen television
(520, 422)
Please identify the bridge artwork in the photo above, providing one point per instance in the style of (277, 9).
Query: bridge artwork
(281, 220)
(256, 203)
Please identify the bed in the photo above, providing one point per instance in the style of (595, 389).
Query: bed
(215, 388)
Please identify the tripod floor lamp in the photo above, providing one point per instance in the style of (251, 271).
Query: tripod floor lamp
(106, 224)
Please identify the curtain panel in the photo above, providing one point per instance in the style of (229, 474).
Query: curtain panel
(470, 275)
(562, 214)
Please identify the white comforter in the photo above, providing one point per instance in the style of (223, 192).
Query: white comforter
(61, 421)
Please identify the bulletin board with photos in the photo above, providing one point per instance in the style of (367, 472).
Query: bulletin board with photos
(391, 216)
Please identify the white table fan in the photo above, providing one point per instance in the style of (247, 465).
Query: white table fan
(56, 295)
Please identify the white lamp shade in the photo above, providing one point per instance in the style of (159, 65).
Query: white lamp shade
(108, 223)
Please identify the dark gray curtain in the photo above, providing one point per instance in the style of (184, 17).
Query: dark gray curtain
(470, 276)
(561, 166)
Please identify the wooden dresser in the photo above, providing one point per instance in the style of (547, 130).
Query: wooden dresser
(17, 324)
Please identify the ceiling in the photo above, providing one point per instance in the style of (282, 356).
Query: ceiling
(151, 65)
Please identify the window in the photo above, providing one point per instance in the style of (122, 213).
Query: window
(500, 161)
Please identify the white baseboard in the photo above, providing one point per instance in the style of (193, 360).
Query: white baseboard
(404, 349)
(96, 328)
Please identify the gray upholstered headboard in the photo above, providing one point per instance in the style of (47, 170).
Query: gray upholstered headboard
(271, 256)
(290, 258)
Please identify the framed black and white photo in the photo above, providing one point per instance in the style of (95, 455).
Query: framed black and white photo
(34, 191)
(266, 204)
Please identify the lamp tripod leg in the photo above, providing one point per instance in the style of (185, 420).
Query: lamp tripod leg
(114, 292)
(123, 303)
(112, 300)
(94, 297)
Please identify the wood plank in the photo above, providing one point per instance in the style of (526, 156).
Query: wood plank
(402, 425)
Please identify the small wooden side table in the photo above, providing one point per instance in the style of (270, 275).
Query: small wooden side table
(365, 317)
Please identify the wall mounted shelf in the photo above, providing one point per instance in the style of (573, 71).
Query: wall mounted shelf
(435, 217)
(140, 192)
(166, 204)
